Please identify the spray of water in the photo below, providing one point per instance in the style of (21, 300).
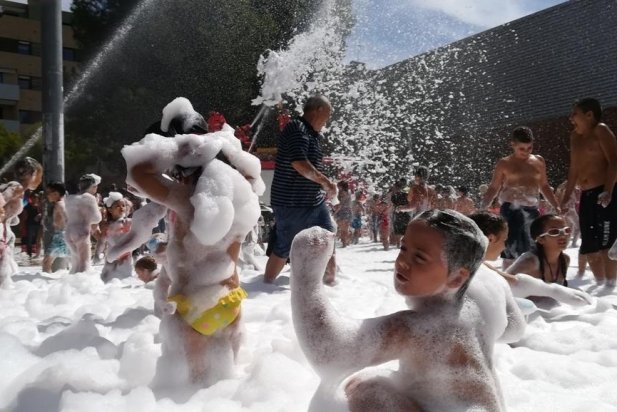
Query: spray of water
(79, 86)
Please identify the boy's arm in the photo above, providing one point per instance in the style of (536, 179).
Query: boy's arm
(495, 185)
(608, 144)
(334, 345)
(545, 188)
(525, 286)
(516, 320)
(572, 173)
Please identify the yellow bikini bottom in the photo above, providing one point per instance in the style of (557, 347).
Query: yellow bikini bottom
(217, 317)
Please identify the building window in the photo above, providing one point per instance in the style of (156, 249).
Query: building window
(24, 47)
(25, 82)
(69, 54)
(29, 116)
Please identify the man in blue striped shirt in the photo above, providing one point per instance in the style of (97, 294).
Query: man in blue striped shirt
(299, 188)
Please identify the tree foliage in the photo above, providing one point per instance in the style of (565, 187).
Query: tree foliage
(204, 50)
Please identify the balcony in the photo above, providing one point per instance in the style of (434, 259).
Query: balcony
(10, 125)
(9, 92)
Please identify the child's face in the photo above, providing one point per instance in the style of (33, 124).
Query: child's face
(496, 245)
(553, 238)
(144, 274)
(52, 196)
(118, 209)
(35, 179)
(581, 121)
(522, 150)
(420, 269)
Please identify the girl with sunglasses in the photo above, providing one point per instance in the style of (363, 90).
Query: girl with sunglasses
(546, 260)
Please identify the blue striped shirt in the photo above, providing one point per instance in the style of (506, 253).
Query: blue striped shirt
(298, 141)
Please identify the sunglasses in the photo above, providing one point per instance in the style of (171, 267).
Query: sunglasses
(565, 231)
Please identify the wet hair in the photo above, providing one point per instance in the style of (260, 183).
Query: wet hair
(464, 242)
(421, 172)
(589, 104)
(57, 187)
(87, 181)
(315, 103)
(522, 134)
(26, 167)
(146, 262)
(464, 190)
(538, 227)
(489, 223)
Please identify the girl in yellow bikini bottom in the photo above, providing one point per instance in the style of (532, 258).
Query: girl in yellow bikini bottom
(217, 317)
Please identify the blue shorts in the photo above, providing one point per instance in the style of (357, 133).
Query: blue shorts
(292, 220)
(519, 220)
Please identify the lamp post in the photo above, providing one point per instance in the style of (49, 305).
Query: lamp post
(52, 96)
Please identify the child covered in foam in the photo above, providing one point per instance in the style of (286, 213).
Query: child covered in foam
(8, 266)
(28, 175)
(444, 342)
(83, 212)
(116, 225)
(212, 206)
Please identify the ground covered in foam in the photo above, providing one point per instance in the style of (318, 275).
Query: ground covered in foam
(71, 343)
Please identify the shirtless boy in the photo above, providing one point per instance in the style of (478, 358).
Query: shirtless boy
(464, 204)
(519, 179)
(444, 342)
(421, 197)
(593, 167)
(57, 247)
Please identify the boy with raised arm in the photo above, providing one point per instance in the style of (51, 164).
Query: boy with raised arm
(593, 167)
(444, 342)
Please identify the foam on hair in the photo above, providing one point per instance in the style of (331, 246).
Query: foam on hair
(464, 242)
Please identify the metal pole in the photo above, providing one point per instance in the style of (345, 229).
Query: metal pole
(52, 94)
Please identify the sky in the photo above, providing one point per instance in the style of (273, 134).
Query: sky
(388, 31)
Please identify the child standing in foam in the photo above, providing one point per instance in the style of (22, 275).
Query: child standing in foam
(495, 228)
(83, 212)
(212, 202)
(116, 225)
(8, 266)
(56, 248)
(547, 260)
(444, 342)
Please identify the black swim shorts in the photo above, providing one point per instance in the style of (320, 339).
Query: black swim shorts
(598, 224)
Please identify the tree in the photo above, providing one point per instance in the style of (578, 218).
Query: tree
(205, 50)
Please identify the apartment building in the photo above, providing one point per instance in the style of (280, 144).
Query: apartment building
(20, 62)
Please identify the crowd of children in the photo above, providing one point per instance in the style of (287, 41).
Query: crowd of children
(452, 323)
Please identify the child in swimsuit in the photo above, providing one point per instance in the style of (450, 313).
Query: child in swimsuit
(546, 260)
(382, 211)
(57, 247)
(495, 229)
(357, 209)
(443, 342)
